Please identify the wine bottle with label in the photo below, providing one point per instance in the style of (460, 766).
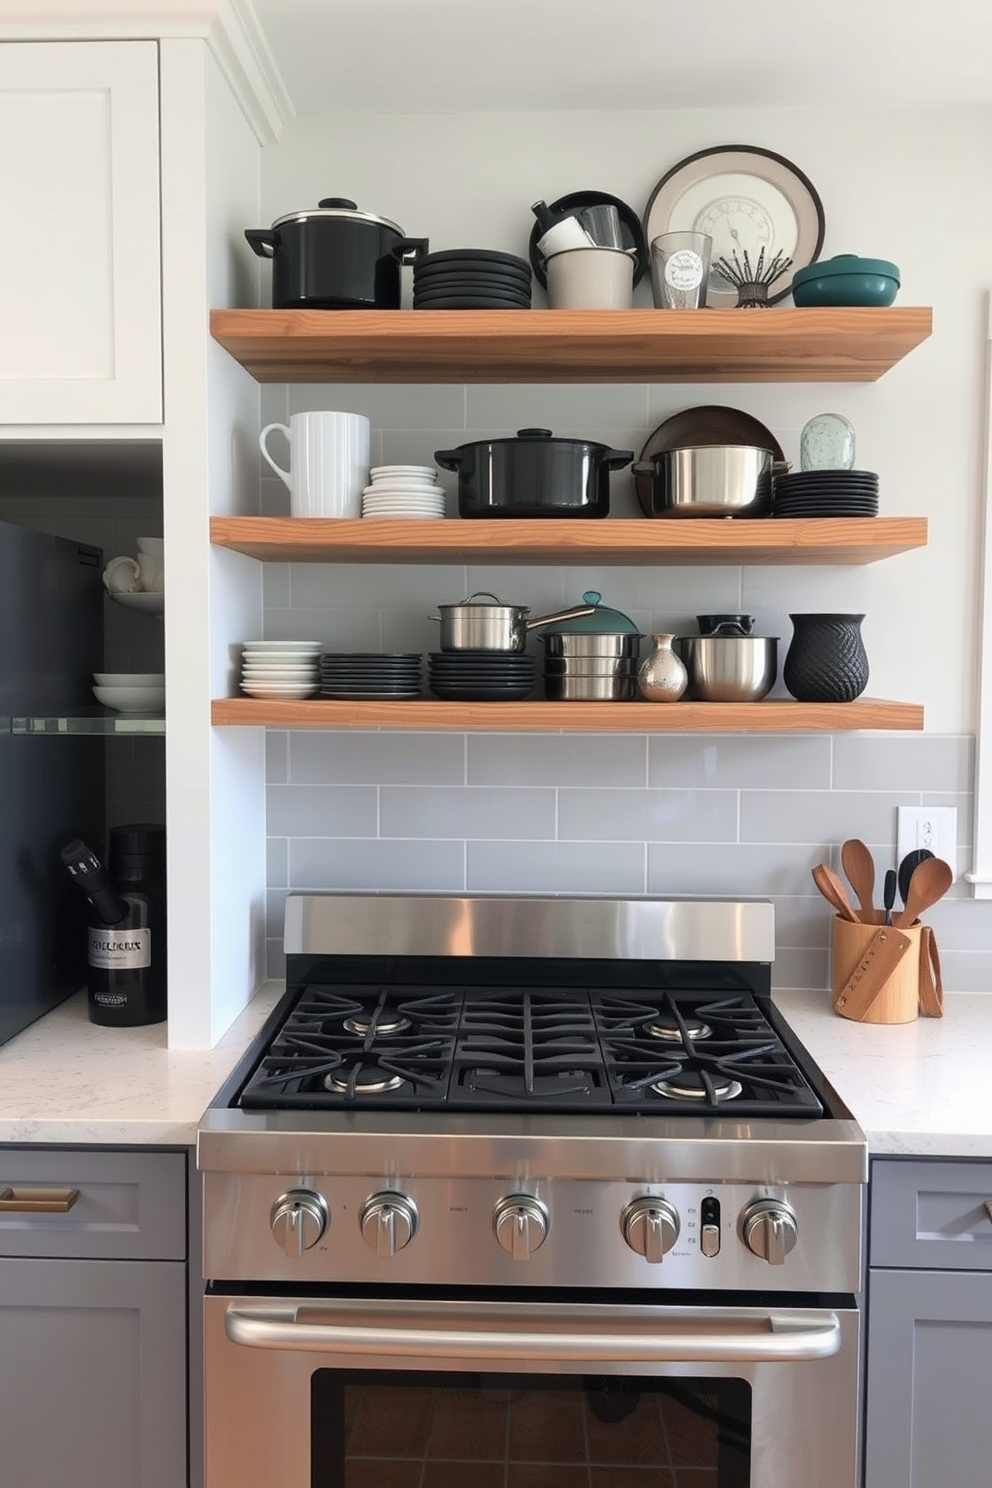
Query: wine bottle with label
(127, 976)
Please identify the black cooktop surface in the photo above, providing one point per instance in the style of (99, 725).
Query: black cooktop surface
(554, 1049)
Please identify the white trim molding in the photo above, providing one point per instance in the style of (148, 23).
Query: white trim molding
(980, 876)
(230, 28)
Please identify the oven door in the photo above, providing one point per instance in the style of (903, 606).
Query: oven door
(362, 1393)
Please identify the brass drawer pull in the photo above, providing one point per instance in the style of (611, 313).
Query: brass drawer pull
(37, 1200)
(988, 1208)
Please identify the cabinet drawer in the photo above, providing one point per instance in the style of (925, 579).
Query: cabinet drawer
(131, 1205)
(931, 1214)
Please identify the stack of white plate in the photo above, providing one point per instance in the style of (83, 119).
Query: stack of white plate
(280, 669)
(403, 491)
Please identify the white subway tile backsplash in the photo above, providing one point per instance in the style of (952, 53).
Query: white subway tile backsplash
(555, 868)
(372, 585)
(526, 760)
(734, 761)
(731, 868)
(582, 411)
(795, 968)
(965, 971)
(377, 864)
(354, 758)
(647, 815)
(903, 762)
(322, 811)
(277, 863)
(819, 816)
(393, 406)
(437, 812)
(276, 757)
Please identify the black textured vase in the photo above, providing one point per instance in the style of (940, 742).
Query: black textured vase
(826, 661)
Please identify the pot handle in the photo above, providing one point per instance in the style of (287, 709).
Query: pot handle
(409, 250)
(616, 459)
(729, 628)
(263, 241)
(643, 467)
(338, 201)
(572, 614)
(449, 459)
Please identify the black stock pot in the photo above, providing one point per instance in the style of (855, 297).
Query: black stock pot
(533, 475)
(334, 257)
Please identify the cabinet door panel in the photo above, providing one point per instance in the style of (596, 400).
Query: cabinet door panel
(131, 1205)
(79, 233)
(931, 1214)
(928, 1419)
(93, 1365)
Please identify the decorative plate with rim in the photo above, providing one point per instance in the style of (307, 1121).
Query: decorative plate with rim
(747, 199)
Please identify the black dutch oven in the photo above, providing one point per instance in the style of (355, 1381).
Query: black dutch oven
(334, 257)
(533, 475)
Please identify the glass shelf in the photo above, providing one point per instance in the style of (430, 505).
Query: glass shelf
(90, 721)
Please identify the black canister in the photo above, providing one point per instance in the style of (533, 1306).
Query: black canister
(127, 977)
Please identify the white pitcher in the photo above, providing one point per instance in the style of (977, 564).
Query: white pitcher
(329, 459)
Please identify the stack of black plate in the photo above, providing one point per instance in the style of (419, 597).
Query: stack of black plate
(370, 674)
(826, 493)
(480, 676)
(471, 279)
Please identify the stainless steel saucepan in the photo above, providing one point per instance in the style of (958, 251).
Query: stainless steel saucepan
(474, 625)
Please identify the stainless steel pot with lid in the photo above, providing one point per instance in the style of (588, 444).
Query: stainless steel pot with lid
(474, 625)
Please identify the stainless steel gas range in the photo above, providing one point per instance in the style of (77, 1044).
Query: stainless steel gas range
(540, 1191)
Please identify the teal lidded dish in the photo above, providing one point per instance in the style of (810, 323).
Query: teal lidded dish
(846, 279)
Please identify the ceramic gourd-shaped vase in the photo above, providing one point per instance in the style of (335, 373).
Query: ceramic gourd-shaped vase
(662, 677)
(826, 661)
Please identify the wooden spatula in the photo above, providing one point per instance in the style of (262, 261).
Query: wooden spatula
(859, 865)
(930, 882)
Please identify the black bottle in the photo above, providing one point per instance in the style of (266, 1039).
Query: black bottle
(127, 976)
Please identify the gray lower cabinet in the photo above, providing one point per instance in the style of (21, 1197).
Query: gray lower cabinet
(928, 1418)
(93, 1318)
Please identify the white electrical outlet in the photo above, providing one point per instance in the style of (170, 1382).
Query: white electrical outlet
(932, 827)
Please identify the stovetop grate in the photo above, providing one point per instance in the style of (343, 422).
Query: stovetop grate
(569, 1049)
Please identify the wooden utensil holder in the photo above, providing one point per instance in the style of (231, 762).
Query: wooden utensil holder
(875, 970)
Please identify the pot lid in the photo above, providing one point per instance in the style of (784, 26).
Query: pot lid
(537, 436)
(846, 263)
(338, 206)
(602, 621)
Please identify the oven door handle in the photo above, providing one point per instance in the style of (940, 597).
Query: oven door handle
(760, 1338)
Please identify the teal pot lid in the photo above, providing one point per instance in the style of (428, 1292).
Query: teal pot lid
(602, 621)
(846, 263)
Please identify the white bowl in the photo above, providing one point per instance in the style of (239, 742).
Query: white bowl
(131, 699)
(129, 679)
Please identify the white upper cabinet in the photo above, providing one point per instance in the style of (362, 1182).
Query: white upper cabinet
(80, 301)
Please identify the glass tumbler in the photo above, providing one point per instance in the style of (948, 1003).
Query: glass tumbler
(680, 270)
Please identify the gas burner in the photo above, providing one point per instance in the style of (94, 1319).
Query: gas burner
(377, 1023)
(690, 1085)
(361, 1079)
(674, 1030)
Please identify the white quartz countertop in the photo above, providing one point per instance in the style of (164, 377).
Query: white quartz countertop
(921, 1088)
(66, 1080)
(916, 1089)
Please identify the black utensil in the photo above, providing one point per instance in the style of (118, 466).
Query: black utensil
(907, 867)
(889, 893)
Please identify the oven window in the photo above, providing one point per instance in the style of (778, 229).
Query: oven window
(376, 1430)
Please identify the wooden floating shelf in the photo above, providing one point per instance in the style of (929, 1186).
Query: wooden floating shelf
(772, 716)
(848, 540)
(855, 344)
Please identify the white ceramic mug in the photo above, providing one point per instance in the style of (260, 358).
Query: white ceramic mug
(329, 458)
(590, 279)
(151, 564)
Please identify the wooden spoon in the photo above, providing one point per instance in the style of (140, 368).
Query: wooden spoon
(859, 865)
(930, 881)
(834, 892)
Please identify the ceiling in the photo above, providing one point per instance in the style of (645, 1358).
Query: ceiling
(446, 56)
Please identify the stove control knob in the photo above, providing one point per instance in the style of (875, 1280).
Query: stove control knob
(650, 1226)
(389, 1223)
(521, 1224)
(298, 1220)
(770, 1230)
